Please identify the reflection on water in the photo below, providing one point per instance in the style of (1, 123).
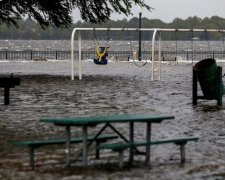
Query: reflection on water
(47, 91)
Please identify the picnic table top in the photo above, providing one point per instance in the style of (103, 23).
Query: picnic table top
(94, 120)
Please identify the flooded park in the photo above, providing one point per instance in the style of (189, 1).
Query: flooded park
(112, 90)
(47, 91)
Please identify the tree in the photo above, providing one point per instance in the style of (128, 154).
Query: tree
(58, 12)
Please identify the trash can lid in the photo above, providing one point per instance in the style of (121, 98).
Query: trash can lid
(204, 64)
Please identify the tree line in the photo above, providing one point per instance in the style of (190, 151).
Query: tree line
(30, 29)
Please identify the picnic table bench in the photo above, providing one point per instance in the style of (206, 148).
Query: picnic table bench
(121, 147)
(32, 145)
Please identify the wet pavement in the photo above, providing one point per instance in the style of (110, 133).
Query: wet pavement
(117, 88)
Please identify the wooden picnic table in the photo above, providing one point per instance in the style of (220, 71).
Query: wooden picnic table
(86, 122)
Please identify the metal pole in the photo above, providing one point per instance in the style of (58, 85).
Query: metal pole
(6, 95)
(131, 141)
(80, 68)
(31, 55)
(194, 88)
(220, 84)
(159, 55)
(68, 136)
(153, 54)
(139, 52)
(72, 54)
(182, 153)
(84, 137)
(148, 140)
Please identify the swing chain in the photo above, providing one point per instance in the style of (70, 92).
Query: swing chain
(95, 37)
(192, 46)
(176, 43)
(132, 52)
(223, 40)
(208, 43)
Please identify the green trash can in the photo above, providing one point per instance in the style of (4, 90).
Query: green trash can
(207, 74)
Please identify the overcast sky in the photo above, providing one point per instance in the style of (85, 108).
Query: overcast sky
(167, 10)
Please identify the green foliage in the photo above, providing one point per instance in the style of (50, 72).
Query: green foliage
(46, 13)
(57, 13)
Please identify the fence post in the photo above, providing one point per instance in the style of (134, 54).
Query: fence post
(6, 54)
(31, 55)
(82, 55)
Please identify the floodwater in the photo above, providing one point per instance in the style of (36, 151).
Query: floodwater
(117, 88)
(65, 45)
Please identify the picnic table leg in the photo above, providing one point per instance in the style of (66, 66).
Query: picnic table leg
(194, 88)
(220, 84)
(131, 141)
(31, 153)
(84, 136)
(6, 95)
(120, 159)
(68, 136)
(148, 147)
(182, 152)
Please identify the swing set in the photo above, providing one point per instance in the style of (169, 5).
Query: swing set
(102, 51)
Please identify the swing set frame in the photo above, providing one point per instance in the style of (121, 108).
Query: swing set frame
(156, 31)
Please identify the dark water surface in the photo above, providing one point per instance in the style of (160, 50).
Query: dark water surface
(47, 91)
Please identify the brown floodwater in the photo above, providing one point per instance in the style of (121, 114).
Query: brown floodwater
(117, 88)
